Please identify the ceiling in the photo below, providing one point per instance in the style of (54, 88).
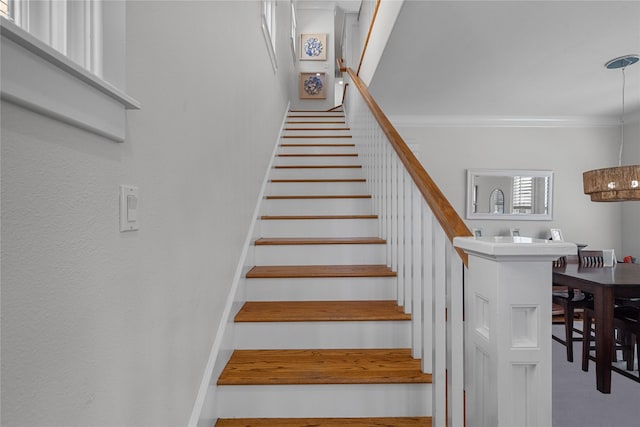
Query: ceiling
(521, 59)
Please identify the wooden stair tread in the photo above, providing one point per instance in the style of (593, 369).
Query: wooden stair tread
(314, 122)
(316, 136)
(303, 271)
(319, 155)
(321, 196)
(320, 366)
(309, 217)
(317, 145)
(320, 241)
(320, 311)
(326, 422)
(279, 181)
(314, 129)
(318, 167)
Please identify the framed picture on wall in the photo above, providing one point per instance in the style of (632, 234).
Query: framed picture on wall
(556, 234)
(313, 86)
(313, 47)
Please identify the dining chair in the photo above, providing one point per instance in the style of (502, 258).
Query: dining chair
(626, 324)
(591, 258)
(569, 300)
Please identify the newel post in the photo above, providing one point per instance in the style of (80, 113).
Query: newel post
(508, 329)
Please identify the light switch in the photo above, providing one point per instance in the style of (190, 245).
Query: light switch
(128, 208)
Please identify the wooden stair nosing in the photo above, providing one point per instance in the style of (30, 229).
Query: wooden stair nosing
(307, 122)
(274, 241)
(316, 136)
(318, 129)
(312, 217)
(321, 311)
(319, 271)
(317, 167)
(318, 155)
(318, 145)
(320, 196)
(319, 180)
(320, 366)
(326, 422)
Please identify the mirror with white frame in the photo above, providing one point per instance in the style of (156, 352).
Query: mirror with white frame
(512, 194)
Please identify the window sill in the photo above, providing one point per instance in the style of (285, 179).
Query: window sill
(37, 77)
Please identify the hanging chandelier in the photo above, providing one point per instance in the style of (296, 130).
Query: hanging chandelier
(620, 183)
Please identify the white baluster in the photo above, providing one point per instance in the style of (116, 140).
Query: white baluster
(427, 289)
(455, 347)
(401, 273)
(416, 301)
(408, 256)
(439, 325)
(393, 232)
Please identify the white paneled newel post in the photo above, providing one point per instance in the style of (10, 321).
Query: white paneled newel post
(508, 329)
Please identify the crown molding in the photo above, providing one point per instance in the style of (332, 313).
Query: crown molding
(508, 121)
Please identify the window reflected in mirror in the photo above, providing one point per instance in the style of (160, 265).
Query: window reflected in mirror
(509, 194)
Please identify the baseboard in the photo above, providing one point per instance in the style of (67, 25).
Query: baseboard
(204, 411)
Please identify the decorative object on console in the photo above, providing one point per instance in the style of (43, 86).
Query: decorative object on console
(313, 47)
(556, 234)
(477, 232)
(312, 86)
(620, 183)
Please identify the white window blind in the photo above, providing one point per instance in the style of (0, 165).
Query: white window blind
(522, 194)
(4, 8)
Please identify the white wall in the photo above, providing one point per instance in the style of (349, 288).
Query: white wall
(447, 152)
(107, 328)
(315, 19)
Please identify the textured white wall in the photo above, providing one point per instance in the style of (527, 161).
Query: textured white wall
(108, 328)
(447, 152)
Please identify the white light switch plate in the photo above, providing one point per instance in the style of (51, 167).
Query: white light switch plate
(128, 208)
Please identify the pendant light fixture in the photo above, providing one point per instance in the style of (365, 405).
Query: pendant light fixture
(620, 183)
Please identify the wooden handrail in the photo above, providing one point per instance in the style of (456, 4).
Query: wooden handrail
(366, 42)
(341, 65)
(448, 218)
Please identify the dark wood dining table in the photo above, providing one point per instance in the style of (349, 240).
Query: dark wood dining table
(606, 284)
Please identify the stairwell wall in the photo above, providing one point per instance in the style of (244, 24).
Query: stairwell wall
(107, 328)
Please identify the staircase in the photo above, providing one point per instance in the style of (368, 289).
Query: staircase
(321, 340)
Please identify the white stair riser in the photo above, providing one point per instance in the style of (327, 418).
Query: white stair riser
(333, 335)
(317, 160)
(335, 126)
(320, 254)
(323, 132)
(317, 173)
(319, 227)
(316, 188)
(315, 116)
(313, 141)
(324, 401)
(314, 149)
(322, 289)
(318, 207)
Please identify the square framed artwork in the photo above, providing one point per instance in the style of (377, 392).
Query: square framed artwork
(313, 47)
(313, 86)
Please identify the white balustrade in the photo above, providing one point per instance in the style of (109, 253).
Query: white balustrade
(430, 271)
